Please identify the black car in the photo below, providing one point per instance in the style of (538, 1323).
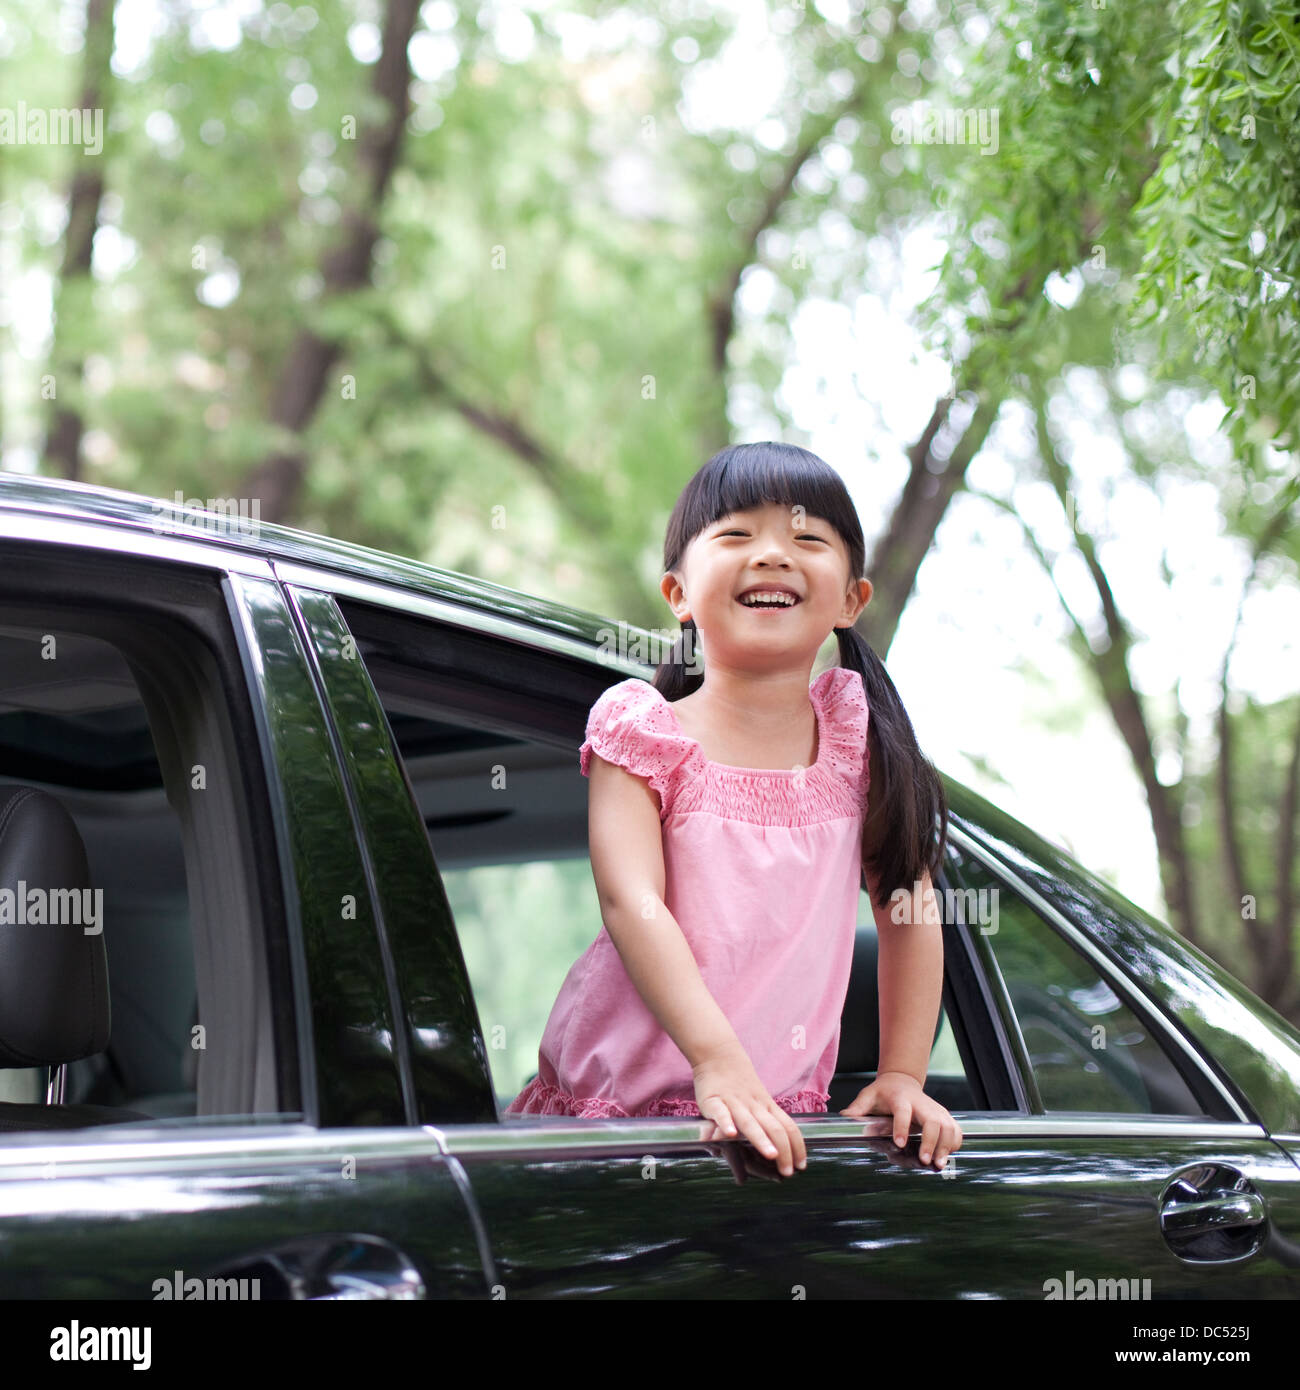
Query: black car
(317, 821)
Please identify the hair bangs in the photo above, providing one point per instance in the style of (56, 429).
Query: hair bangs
(745, 476)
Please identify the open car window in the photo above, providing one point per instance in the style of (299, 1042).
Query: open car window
(488, 735)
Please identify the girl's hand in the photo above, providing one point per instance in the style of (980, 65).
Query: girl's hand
(729, 1093)
(899, 1094)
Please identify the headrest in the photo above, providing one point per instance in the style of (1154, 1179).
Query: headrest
(53, 967)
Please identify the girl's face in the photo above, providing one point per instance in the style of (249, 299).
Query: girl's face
(772, 547)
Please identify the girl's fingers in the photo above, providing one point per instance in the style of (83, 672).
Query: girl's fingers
(931, 1132)
(754, 1131)
(779, 1146)
(949, 1142)
(902, 1123)
(797, 1149)
(721, 1117)
(768, 1128)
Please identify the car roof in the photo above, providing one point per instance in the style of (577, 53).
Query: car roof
(83, 502)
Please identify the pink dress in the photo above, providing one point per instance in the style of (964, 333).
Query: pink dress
(762, 871)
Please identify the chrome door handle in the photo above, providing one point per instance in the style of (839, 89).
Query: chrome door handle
(1211, 1214)
(1224, 1211)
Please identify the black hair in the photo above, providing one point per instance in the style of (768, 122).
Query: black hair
(906, 825)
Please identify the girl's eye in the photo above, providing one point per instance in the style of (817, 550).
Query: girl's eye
(806, 536)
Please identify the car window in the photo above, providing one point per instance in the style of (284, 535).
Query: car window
(1088, 1046)
(120, 719)
(516, 974)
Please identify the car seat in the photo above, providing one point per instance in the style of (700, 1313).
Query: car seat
(54, 1005)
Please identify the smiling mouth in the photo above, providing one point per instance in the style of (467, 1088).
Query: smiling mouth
(770, 605)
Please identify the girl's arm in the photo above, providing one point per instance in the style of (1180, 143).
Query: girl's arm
(911, 987)
(910, 947)
(627, 862)
(910, 978)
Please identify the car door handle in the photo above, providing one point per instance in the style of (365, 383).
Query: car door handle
(329, 1266)
(1227, 1211)
(1210, 1213)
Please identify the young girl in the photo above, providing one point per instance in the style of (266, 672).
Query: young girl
(730, 830)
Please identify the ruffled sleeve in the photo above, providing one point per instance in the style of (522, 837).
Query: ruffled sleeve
(631, 725)
(844, 725)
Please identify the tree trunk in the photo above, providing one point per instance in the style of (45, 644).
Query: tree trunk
(1112, 670)
(67, 425)
(930, 487)
(1269, 946)
(279, 479)
(1281, 972)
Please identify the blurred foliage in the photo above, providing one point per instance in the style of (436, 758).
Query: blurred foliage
(557, 239)
(551, 249)
(1221, 219)
(1158, 140)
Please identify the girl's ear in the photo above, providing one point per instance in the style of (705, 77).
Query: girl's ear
(852, 607)
(670, 587)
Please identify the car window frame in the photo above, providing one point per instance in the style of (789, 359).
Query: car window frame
(380, 615)
(439, 1038)
(988, 1049)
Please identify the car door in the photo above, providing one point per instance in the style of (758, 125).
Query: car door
(292, 1173)
(1129, 1178)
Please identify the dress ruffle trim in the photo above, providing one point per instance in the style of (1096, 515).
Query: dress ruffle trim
(537, 1098)
(844, 721)
(632, 724)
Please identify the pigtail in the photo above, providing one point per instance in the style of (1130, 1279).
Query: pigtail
(905, 832)
(679, 673)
